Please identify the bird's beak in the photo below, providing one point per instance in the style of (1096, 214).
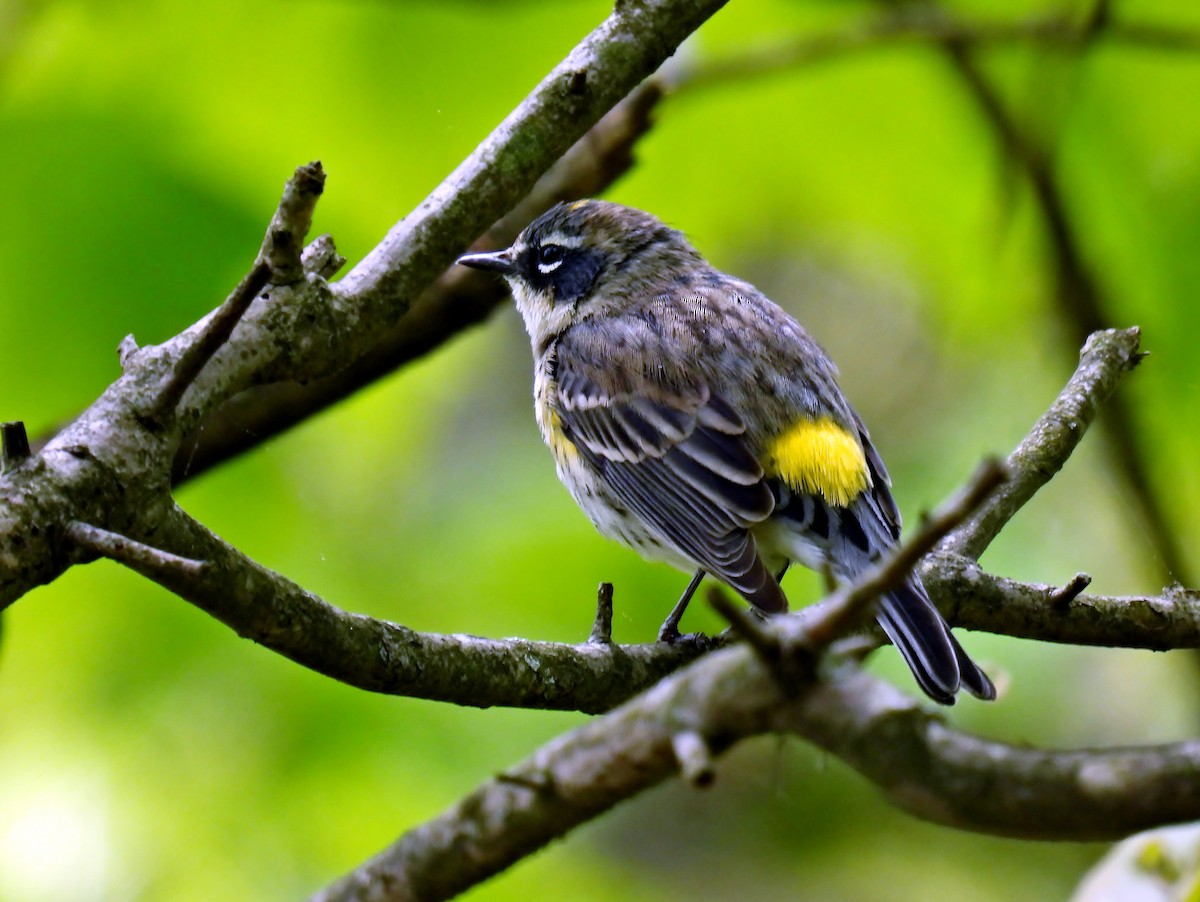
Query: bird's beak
(497, 261)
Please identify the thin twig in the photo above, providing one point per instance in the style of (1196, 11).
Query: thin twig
(602, 626)
(149, 561)
(845, 609)
(755, 632)
(283, 244)
(212, 335)
(279, 260)
(1062, 597)
(695, 759)
(14, 444)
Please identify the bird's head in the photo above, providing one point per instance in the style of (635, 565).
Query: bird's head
(584, 259)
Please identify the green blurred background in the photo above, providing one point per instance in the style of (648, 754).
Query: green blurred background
(148, 753)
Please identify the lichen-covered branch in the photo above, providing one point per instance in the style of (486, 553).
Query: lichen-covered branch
(970, 597)
(111, 469)
(378, 655)
(923, 765)
(459, 299)
(950, 777)
(676, 726)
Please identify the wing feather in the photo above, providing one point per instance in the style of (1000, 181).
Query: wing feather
(679, 460)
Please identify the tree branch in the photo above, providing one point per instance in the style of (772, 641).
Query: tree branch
(925, 767)
(678, 725)
(950, 777)
(459, 299)
(108, 469)
(970, 597)
(378, 655)
(215, 332)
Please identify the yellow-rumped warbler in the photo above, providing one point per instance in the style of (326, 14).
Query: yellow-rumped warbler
(695, 421)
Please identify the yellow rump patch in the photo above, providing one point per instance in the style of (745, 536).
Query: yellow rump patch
(819, 456)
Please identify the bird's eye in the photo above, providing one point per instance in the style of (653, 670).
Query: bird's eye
(550, 257)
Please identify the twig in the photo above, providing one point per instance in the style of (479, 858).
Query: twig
(765, 643)
(695, 760)
(602, 626)
(1105, 358)
(282, 245)
(14, 444)
(1062, 597)
(845, 608)
(279, 260)
(151, 562)
(212, 335)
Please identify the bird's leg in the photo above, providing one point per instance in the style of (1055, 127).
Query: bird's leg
(669, 631)
(782, 571)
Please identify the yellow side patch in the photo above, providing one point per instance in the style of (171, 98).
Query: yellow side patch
(562, 447)
(819, 456)
(558, 441)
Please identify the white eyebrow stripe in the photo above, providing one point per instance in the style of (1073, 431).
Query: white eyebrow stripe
(568, 241)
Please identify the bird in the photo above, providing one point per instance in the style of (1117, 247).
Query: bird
(698, 423)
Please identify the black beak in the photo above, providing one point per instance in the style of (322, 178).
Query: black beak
(497, 261)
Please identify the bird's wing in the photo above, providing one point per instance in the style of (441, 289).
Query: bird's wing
(881, 493)
(676, 457)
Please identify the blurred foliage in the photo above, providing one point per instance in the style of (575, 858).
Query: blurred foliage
(147, 753)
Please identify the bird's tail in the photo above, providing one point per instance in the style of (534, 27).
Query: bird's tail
(923, 638)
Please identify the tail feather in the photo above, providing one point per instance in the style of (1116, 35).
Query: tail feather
(974, 680)
(939, 664)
